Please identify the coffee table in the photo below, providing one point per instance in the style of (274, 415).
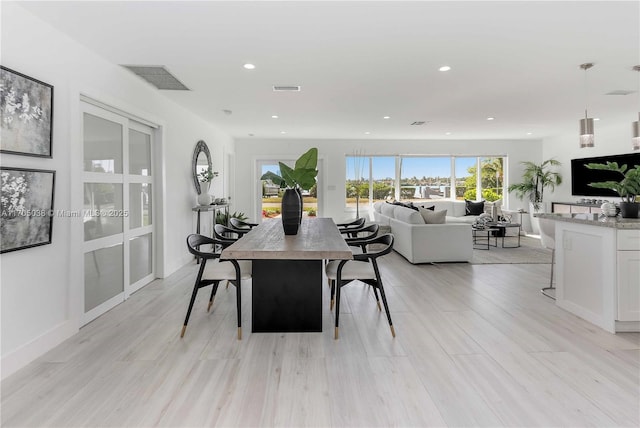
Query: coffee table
(502, 228)
(482, 237)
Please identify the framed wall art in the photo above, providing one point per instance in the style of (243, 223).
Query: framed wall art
(26, 208)
(26, 114)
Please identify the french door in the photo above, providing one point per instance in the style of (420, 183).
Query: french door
(118, 210)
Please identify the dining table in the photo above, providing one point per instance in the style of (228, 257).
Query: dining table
(287, 272)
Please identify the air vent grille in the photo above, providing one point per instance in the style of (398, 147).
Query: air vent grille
(158, 76)
(286, 88)
(418, 123)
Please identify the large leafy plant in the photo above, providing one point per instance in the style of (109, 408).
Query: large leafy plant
(302, 175)
(535, 179)
(628, 187)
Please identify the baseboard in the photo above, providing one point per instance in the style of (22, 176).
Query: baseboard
(15, 360)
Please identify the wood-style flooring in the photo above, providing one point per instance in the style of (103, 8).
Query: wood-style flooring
(476, 345)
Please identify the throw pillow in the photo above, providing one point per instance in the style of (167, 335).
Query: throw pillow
(473, 208)
(433, 217)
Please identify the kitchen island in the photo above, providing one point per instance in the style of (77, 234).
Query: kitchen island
(598, 269)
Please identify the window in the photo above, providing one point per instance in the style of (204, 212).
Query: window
(375, 178)
(424, 178)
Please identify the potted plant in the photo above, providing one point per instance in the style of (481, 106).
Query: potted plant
(535, 179)
(628, 187)
(301, 177)
(205, 177)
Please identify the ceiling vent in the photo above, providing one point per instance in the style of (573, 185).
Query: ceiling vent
(286, 88)
(418, 123)
(158, 76)
(620, 92)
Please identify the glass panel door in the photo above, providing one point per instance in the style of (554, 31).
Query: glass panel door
(118, 208)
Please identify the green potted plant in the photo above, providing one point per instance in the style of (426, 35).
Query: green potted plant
(628, 187)
(535, 179)
(301, 177)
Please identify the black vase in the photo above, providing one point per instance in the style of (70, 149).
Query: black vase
(291, 211)
(629, 209)
(301, 203)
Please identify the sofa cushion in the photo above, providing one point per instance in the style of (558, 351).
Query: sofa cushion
(387, 209)
(473, 208)
(408, 215)
(433, 217)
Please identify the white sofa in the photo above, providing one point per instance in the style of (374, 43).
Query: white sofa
(425, 243)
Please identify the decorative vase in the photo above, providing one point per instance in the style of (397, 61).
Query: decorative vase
(291, 211)
(301, 203)
(629, 209)
(204, 198)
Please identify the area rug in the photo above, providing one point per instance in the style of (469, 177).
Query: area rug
(530, 251)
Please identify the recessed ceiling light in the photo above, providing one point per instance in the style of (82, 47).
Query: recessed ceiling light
(491, 118)
(445, 68)
(283, 132)
(387, 117)
(447, 133)
(367, 133)
(596, 118)
(275, 116)
(529, 133)
(249, 66)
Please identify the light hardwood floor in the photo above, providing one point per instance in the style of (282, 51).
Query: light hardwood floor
(476, 345)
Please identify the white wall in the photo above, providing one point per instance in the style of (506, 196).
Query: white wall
(333, 153)
(614, 139)
(40, 298)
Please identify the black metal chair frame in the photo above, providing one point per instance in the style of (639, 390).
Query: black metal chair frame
(236, 223)
(352, 227)
(376, 284)
(221, 232)
(194, 241)
(372, 229)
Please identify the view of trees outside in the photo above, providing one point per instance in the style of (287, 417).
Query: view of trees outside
(272, 196)
(422, 178)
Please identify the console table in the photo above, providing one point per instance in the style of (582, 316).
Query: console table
(287, 272)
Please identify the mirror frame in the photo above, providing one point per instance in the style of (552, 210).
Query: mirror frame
(201, 147)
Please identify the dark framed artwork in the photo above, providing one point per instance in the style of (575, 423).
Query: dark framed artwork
(27, 208)
(26, 114)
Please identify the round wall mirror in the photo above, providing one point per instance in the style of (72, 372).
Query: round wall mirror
(201, 162)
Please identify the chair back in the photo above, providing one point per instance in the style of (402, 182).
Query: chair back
(194, 241)
(222, 233)
(372, 231)
(547, 233)
(359, 222)
(240, 224)
(386, 241)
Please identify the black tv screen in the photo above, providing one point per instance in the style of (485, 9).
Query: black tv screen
(581, 176)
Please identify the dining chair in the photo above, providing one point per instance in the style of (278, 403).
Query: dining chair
(355, 224)
(548, 240)
(371, 232)
(364, 268)
(212, 271)
(225, 233)
(236, 223)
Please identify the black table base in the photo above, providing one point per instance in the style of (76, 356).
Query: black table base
(286, 296)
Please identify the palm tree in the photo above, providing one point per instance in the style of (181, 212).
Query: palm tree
(535, 179)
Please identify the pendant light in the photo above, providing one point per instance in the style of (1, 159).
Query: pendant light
(635, 126)
(586, 124)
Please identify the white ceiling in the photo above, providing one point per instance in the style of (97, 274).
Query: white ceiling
(359, 61)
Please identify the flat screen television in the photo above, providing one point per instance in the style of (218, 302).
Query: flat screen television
(581, 176)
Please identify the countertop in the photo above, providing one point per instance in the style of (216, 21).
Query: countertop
(594, 220)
